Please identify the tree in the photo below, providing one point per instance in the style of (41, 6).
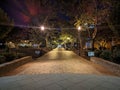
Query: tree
(113, 21)
(96, 13)
(17, 34)
(67, 38)
(4, 24)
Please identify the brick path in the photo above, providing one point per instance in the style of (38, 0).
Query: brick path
(60, 70)
(60, 61)
(60, 82)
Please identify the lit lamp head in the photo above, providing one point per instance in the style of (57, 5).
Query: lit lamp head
(42, 28)
(79, 28)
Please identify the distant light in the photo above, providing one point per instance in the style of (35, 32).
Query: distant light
(68, 38)
(79, 28)
(1, 43)
(85, 24)
(91, 26)
(10, 42)
(42, 28)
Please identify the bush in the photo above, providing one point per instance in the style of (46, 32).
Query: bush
(2, 59)
(106, 54)
(118, 46)
(116, 55)
(20, 55)
(10, 56)
(97, 53)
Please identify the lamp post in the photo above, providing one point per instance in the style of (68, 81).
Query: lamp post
(47, 34)
(42, 28)
(79, 40)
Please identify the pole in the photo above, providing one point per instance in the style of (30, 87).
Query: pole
(79, 43)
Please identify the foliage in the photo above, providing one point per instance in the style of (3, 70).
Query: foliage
(17, 34)
(4, 22)
(113, 20)
(9, 56)
(113, 56)
(106, 54)
(94, 13)
(116, 54)
(97, 53)
(101, 43)
(2, 59)
(20, 55)
(67, 38)
(115, 10)
(84, 19)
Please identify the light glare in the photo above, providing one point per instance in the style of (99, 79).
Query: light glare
(79, 28)
(42, 28)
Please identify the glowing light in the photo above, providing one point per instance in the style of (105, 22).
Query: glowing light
(79, 28)
(10, 42)
(68, 38)
(42, 28)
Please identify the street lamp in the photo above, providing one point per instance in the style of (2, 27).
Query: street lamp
(79, 40)
(42, 28)
(79, 28)
(47, 34)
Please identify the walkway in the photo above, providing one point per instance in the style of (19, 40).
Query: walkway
(60, 70)
(60, 82)
(60, 61)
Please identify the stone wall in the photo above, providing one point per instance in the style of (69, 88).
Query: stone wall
(115, 68)
(6, 67)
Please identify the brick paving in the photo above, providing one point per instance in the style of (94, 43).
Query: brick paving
(60, 61)
(60, 82)
(60, 70)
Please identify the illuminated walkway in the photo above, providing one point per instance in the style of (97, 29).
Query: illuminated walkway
(60, 61)
(60, 70)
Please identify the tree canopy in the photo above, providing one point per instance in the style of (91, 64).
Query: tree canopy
(4, 24)
(60, 14)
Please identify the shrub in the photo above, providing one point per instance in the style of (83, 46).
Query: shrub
(10, 56)
(2, 59)
(116, 55)
(106, 54)
(20, 55)
(118, 46)
(6, 57)
(97, 53)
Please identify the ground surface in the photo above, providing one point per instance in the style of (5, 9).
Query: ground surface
(60, 61)
(59, 82)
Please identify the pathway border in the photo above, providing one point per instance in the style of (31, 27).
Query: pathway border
(6, 67)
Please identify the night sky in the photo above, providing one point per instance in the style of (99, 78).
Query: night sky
(15, 10)
(26, 11)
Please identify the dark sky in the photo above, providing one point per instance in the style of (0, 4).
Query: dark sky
(26, 11)
(14, 10)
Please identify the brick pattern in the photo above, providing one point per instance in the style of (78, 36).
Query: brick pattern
(60, 82)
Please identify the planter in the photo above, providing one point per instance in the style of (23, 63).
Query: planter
(115, 68)
(9, 66)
